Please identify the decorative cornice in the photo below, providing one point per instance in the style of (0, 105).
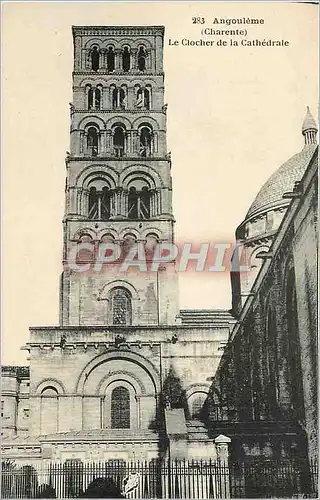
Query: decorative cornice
(103, 71)
(117, 30)
(120, 111)
(98, 158)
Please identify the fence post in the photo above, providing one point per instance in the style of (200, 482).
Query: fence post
(222, 450)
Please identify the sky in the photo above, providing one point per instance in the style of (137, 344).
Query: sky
(234, 116)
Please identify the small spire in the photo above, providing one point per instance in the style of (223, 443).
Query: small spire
(309, 128)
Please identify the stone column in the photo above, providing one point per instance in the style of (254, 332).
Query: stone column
(158, 207)
(105, 98)
(77, 52)
(108, 141)
(155, 142)
(103, 141)
(158, 65)
(148, 60)
(222, 448)
(84, 204)
(84, 137)
(134, 59)
(131, 98)
(103, 58)
(117, 59)
(124, 204)
(135, 144)
(129, 142)
(85, 59)
(115, 202)
(79, 198)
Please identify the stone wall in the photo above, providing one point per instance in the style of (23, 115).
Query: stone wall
(265, 387)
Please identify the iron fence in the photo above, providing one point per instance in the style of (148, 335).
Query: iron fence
(196, 479)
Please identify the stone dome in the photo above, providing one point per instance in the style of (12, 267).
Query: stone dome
(281, 181)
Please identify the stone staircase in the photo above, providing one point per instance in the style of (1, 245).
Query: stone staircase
(197, 431)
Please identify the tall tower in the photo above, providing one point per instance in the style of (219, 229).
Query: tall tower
(118, 186)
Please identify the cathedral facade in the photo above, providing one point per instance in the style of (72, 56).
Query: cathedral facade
(104, 383)
(127, 375)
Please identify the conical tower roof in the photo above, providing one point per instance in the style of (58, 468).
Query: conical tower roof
(309, 122)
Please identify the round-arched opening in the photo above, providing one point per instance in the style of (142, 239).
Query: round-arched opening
(110, 59)
(126, 59)
(95, 58)
(92, 141)
(120, 408)
(119, 141)
(142, 59)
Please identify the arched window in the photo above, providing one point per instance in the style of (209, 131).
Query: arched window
(118, 98)
(118, 141)
(126, 59)
(49, 391)
(142, 59)
(49, 410)
(152, 241)
(120, 306)
(95, 58)
(143, 99)
(294, 354)
(99, 200)
(197, 404)
(92, 141)
(271, 360)
(120, 408)
(128, 242)
(139, 203)
(145, 142)
(110, 59)
(84, 254)
(94, 98)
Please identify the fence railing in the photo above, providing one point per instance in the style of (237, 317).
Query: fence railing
(196, 479)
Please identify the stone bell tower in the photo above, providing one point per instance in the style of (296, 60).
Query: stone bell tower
(118, 186)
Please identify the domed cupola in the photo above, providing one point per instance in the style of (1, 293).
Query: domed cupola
(256, 232)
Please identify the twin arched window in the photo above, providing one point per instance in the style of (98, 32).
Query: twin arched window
(99, 203)
(143, 98)
(94, 98)
(100, 200)
(120, 408)
(139, 203)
